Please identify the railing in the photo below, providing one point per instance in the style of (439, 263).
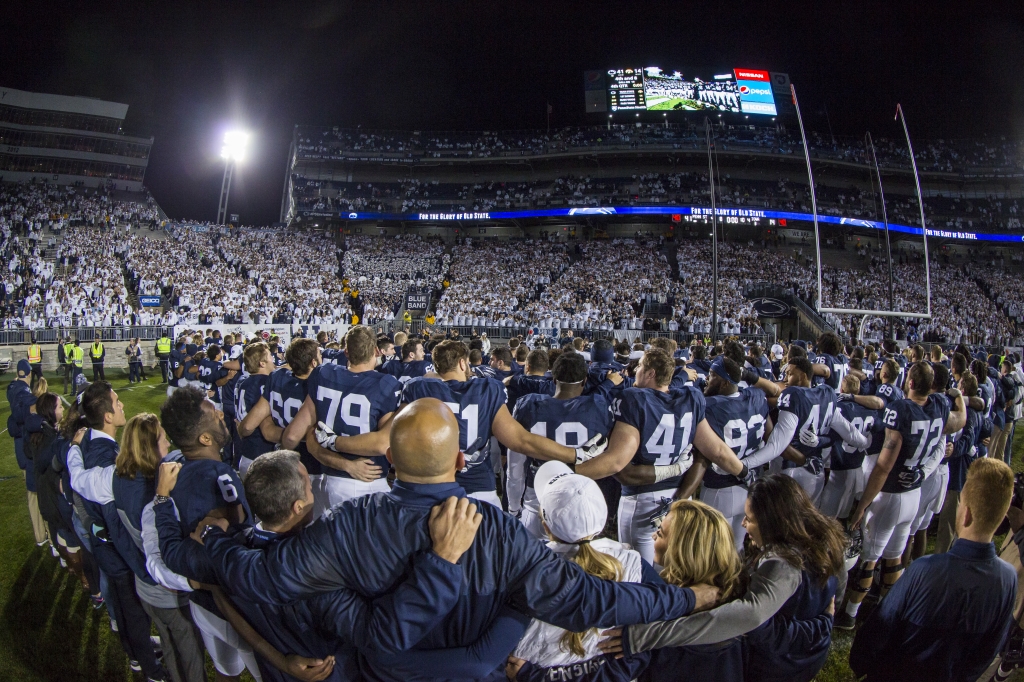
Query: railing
(15, 337)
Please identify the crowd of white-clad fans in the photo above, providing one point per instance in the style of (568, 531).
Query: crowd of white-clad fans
(492, 283)
(82, 267)
(382, 270)
(961, 310)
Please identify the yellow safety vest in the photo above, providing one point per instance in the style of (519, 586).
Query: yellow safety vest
(97, 351)
(34, 354)
(163, 345)
(69, 351)
(77, 355)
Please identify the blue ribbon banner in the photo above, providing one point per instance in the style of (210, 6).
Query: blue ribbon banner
(681, 210)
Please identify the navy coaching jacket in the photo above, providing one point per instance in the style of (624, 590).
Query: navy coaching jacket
(945, 619)
(368, 545)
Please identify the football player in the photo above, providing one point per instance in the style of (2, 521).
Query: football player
(479, 405)
(259, 365)
(351, 408)
(414, 362)
(568, 417)
(659, 427)
(914, 427)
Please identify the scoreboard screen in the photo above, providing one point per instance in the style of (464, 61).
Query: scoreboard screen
(746, 91)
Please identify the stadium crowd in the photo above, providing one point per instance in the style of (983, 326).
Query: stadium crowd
(266, 537)
(931, 155)
(383, 269)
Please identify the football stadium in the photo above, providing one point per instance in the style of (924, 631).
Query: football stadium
(677, 375)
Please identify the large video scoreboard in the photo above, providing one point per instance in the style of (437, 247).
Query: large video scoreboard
(746, 91)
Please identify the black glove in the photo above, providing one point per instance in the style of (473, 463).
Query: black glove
(750, 376)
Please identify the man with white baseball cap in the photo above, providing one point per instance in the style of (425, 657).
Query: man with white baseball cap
(573, 511)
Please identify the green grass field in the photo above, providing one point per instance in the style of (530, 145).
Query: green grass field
(49, 631)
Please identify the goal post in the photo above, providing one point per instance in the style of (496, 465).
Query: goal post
(817, 237)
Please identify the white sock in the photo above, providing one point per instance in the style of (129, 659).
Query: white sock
(852, 607)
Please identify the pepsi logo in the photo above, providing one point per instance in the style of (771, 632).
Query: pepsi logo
(744, 90)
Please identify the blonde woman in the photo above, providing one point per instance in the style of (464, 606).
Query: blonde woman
(694, 545)
(573, 512)
(163, 594)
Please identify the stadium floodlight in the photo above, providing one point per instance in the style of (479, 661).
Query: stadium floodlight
(233, 151)
(235, 143)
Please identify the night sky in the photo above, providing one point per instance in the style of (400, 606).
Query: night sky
(190, 70)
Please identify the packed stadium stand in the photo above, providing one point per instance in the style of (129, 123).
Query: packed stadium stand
(77, 257)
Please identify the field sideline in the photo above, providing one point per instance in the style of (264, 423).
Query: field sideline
(48, 630)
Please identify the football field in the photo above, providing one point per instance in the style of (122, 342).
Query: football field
(50, 632)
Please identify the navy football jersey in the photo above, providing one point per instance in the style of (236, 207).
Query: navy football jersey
(174, 362)
(475, 403)
(404, 371)
(889, 393)
(666, 422)
(248, 392)
(523, 384)
(843, 456)
(597, 371)
(334, 356)
(902, 362)
(739, 420)
(813, 407)
(485, 371)
(211, 371)
(204, 485)
(921, 428)
(352, 403)
(286, 393)
(838, 365)
(701, 367)
(567, 422)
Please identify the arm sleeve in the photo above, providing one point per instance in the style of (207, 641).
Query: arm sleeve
(850, 435)
(154, 560)
(294, 568)
(774, 582)
(561, 593)
(780, 438)
(475, 661)
(516, 484)
(180, 553)
(604, 668)
(877, 640)
(648, 574)
(398, 620)
(95, 484)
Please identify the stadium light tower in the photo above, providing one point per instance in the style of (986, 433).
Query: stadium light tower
(233, 151)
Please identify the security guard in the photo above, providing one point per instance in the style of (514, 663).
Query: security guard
(35, 358)
(77, 357)
(163, 353)
(69, 365)
(97, 353)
